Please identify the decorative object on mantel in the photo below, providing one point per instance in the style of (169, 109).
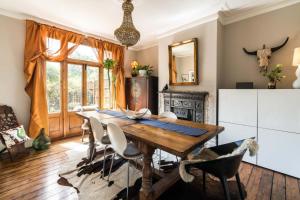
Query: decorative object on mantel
(274, 76)
(165, 88)
(127, 33)
(264, 55)
(296, 62)
(42, 141)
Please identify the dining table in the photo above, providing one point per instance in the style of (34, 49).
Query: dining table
(148, 137)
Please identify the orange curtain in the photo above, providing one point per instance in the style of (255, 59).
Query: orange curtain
(119, 74)
(35, 73)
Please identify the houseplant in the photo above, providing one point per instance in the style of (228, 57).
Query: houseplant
(134, 71)
(144, 70)
(109, 64)
(274, 75)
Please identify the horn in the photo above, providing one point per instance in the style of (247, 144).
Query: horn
(250, 52)
(280, 46)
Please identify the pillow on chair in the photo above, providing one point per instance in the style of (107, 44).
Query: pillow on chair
(15, 138)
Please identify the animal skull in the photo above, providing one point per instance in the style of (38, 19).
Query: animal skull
(263, 58)
(264, 55)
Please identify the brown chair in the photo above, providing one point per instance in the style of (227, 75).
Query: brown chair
(223, 168)
(8, 120)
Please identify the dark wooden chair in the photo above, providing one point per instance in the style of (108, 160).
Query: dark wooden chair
(223, 168)
(8, 120)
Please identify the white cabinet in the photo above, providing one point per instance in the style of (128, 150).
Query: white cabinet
(279, 151)
(238, 107)
(273, 117)
(279, 110)
(235, 132)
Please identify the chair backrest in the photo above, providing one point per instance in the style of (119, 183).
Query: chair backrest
(85, 108)
(97, 128)
(168, 115)
(117, 138)
(8, 119)
(143, 110)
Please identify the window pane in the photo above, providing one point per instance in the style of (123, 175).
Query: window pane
(53, 86)
(74, 86)
(83, 52)
(92, 86)
(107, 93)
(53, 45)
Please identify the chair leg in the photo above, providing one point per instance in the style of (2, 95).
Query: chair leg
(204, 184)
(104, 159)
(93, 153)
(225, 188)
(128, 170)
(82, 135)
(111, 165)
(159, 160)
(238, 180)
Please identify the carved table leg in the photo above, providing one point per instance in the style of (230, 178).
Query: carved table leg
(146, 191)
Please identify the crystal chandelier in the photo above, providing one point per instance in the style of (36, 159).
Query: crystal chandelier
(127, 33)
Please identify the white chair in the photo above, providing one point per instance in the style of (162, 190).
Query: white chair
(143, 110)
(85, 126)
(100, 137)
(167, 115)
(126, 150)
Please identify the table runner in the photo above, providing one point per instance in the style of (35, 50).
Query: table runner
(186, 130)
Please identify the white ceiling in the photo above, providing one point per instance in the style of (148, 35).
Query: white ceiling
(153, 18)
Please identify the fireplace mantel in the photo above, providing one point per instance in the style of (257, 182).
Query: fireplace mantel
(187, 105)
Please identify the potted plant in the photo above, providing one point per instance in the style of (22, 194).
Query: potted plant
(109, 64)
(134, 70)
(144, 70)
(274, 76)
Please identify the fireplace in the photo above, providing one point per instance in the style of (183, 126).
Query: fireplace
(186, 105)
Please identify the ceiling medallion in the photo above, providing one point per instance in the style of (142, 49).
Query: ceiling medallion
(127, 33)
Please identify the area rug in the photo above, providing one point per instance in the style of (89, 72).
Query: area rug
(85, 179)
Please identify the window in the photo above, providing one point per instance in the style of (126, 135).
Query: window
(83, 52)
(74, 86)
(53, 45)
(53, 86)
(92, 74)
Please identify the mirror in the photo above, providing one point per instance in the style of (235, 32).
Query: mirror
(183, 63)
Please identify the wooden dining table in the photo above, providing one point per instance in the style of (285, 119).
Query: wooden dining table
(148, 138)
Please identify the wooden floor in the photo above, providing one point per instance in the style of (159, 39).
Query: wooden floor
(35, 177)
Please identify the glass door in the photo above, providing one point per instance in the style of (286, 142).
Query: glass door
(54, 99)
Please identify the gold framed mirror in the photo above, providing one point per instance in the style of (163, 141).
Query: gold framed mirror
(183, 63)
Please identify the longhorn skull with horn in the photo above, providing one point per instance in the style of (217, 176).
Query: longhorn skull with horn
(264, 55)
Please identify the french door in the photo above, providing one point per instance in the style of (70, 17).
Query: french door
(69, 86)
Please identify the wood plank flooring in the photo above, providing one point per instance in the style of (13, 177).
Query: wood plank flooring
(35, 177)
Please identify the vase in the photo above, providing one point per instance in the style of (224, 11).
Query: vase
(272, 85)
(143, 72)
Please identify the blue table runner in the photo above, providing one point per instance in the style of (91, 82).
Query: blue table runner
(186, 130)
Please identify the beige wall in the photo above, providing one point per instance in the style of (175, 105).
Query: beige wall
(129, 56)
(149, 56)
(271, 29)
(12, 81)
(207, 45)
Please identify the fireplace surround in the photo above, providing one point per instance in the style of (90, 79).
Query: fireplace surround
(186, 105)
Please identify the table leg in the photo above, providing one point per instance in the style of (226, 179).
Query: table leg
(91, 144)
(146, 192)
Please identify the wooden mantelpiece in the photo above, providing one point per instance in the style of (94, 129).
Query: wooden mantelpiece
(186, 105)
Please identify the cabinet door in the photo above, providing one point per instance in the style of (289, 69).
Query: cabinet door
(238, 106)
(234, 132)
(279, 151)
(279, 110)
